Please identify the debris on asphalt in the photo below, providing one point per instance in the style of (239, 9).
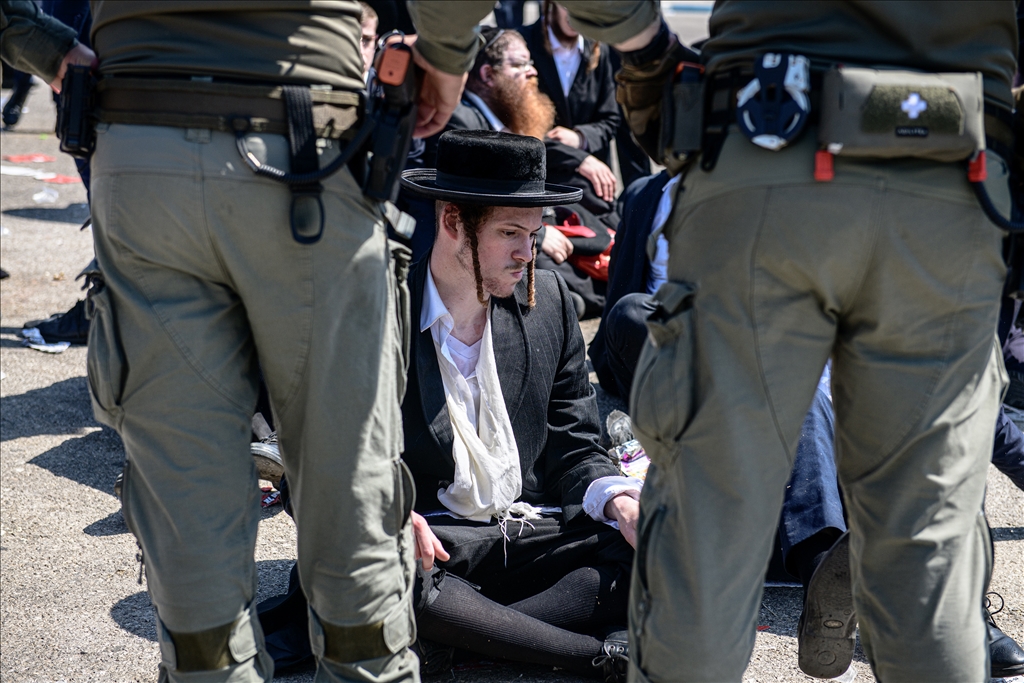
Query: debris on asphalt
(47, 195)
(26, 172)
(270, 497)
(34, 158)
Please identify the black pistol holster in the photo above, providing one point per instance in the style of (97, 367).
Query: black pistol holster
(76, 115)
(392, 107)
(384, 137)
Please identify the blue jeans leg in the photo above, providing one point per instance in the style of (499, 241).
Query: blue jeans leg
(813, 502)
(1008, 453)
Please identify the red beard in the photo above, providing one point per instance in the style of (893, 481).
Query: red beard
(522, 107)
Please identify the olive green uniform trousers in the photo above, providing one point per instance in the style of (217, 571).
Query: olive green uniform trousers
(891, 269)
(204, 287)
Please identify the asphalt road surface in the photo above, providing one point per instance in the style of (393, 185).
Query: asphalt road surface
(71, 605)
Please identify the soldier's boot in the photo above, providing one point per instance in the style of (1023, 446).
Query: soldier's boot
(231, 653)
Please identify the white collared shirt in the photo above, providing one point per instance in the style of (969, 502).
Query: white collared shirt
(659, 264)
(494, 121)
(463, 358)
(435, 316)
(567, 59)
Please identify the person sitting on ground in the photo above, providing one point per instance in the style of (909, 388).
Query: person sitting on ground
(523, 524)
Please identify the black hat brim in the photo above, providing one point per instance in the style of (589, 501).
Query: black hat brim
(423, 181)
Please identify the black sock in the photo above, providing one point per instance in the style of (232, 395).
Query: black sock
(583, 601)
(461, 617)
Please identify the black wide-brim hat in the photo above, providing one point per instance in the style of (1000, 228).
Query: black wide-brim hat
(492, 168)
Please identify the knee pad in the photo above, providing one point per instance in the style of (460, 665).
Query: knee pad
(222, 647)
(345, 644)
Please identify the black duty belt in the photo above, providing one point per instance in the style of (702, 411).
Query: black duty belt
(227, 107)
(720, 112)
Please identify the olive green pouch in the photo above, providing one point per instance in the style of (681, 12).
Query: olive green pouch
(888, 114)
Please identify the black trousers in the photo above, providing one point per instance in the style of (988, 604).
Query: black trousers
(535, 555)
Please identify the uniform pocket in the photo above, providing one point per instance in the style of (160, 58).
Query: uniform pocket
(107, 365)
(662, 399)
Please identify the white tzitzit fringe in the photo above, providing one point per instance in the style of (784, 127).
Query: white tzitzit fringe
(518, 512)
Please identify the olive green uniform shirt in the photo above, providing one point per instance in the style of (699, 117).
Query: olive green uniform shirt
(317, 41)
(31, 41)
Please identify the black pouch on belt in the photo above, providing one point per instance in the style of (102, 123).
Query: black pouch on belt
(76, 120)
(682, 116)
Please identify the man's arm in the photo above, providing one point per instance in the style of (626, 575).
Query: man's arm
(574, 457)
(32, 41)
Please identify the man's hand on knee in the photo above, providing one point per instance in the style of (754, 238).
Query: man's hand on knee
(428, 547)
(624, 509)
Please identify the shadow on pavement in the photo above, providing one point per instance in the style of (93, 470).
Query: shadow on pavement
(75, 213)
(1007, 533)
(111, 525)
(11, 343)
(135, 615)
(62, 408)
(93, 460)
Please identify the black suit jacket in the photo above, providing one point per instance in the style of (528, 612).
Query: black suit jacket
(542, 369)
(629, 266)
(590, 107)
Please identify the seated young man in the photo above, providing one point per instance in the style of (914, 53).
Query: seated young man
(522, 523)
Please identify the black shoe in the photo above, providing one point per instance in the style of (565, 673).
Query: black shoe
(4, 274)
(614, 658)
(826, 632)
(1006, 655)
(72, 326)
(15, 105)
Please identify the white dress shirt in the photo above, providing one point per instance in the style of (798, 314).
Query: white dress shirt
(567, 59)
(659, 264)
(434, 315)
(463, 358)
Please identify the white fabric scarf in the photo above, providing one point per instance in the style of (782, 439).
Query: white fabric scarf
(487, 476)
